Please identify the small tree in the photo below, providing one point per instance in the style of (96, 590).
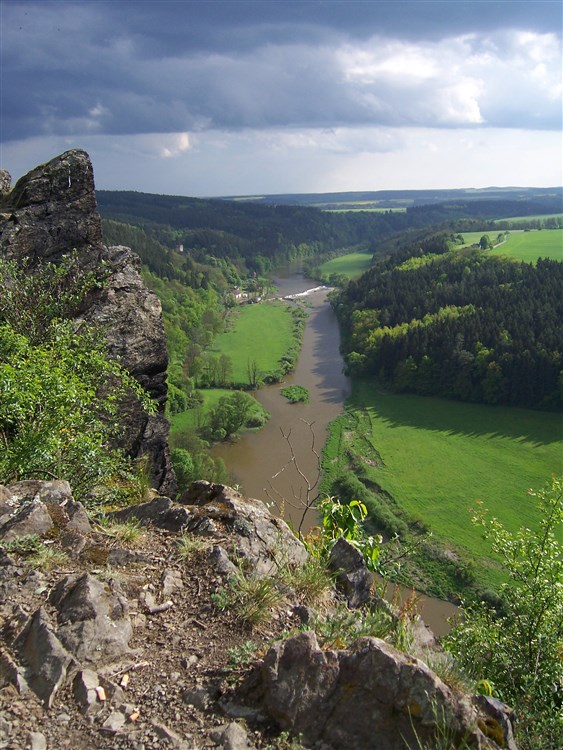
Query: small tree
(519, 649)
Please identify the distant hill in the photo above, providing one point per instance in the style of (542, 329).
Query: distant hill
(389, 199)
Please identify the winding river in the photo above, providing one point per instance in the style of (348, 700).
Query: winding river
(262, 462)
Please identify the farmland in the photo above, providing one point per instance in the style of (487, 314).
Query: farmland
(526, 246)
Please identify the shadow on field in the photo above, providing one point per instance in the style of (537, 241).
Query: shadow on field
(459, 418)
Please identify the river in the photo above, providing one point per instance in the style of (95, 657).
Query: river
(261, 462)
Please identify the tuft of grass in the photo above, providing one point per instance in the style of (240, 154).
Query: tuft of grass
(47, 558)
(129, 533)
(443, 665)
(249, 597)
(312, 582)
(23, 545)
(189, 546)
(340, 626)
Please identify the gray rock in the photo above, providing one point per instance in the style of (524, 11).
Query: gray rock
(50, 213)
(172, 738)
(5, 181)
(160, 512)
(495, 720)
(84, 690)
(201, 697)
(93, 618)
(114, 723)
(261, 539)
(231, 737)
(54, 491)
(37, 741)
(45, 657)
(31, 517)
(353, 579)
(220, 561)
(171, 582)
(344, 699)
(11, 674)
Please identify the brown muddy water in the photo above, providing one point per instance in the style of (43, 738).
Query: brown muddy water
(279, 464)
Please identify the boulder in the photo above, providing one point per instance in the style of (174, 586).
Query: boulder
(263, 541)
(160, 512)
(46, 659)
(37, 506)
(353, 579)
(30, 518)
(92, 617)
(369, 696)
(51, 213)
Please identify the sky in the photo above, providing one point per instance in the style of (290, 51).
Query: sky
(235, 97)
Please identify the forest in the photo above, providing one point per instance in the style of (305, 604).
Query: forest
(435, 319)
(256, 238)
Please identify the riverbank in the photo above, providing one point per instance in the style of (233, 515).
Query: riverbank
(421, 464)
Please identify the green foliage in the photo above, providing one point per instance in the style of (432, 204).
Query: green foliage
(229, 415)
(519, 648)
(296, 394)
(339, 627)
(191, 460)
(32, 299)
(59, 391)
(346, 520)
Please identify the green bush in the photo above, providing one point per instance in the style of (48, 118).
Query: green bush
(59, 392)
(519, 647)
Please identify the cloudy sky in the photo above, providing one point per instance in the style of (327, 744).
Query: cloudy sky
(229, 97)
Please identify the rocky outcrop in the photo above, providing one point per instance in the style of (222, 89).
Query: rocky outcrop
(135, 648)
(369, 696)
(50, 213)
(255, 536)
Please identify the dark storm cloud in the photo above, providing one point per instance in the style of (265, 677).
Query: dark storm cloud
(140, 67)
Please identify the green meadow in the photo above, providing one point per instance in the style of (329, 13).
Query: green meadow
(194, 418)
(262, 333)
(436, 459)
(526, 246)
(529, 246)
(351, 265)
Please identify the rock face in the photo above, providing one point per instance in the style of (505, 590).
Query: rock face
(371, 696)
(51, 212)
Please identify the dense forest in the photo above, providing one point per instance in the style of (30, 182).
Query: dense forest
(434, 319)
(257, 238)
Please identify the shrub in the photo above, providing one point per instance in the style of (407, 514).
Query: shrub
(519, 648)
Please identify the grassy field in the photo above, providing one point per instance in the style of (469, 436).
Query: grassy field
(525, 246)
(263, 333)
(526, 219)
(194, 418)
(351, 265)
(437, 458)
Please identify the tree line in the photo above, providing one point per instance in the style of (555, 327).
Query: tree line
(458, 323)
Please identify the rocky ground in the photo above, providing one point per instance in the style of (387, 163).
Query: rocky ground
(130, 642)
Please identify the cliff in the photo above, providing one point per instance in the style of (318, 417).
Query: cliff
(51, 213)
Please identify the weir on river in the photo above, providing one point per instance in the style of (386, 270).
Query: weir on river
(262, 462)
